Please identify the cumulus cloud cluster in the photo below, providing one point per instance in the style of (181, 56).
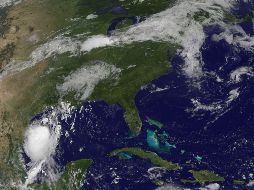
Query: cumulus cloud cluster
(4, 3)
(96, 42)
(236, 75)
(84, 80)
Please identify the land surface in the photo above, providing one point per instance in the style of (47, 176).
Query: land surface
(151, 156)
(203, 177)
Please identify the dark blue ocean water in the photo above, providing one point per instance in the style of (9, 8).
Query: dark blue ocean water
(219, 140)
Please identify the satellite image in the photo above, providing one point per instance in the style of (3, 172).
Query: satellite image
(126, 94)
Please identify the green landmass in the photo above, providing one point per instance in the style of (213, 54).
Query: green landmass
(124, 24)
(100, 24)
(151, 156)
(151, 60)
(188, 181)
(124, 155)
(238, 182)
(204, 176)
(72, 178)
(233, 19)
(201, 15)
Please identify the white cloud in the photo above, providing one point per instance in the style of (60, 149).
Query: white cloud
(4, 3)
(96, 42)
(84, 80)
(38, 143)
(58, 45)
(91, 16)
(242, 40)
(236, 75)
(213, 186)
(41, 140)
